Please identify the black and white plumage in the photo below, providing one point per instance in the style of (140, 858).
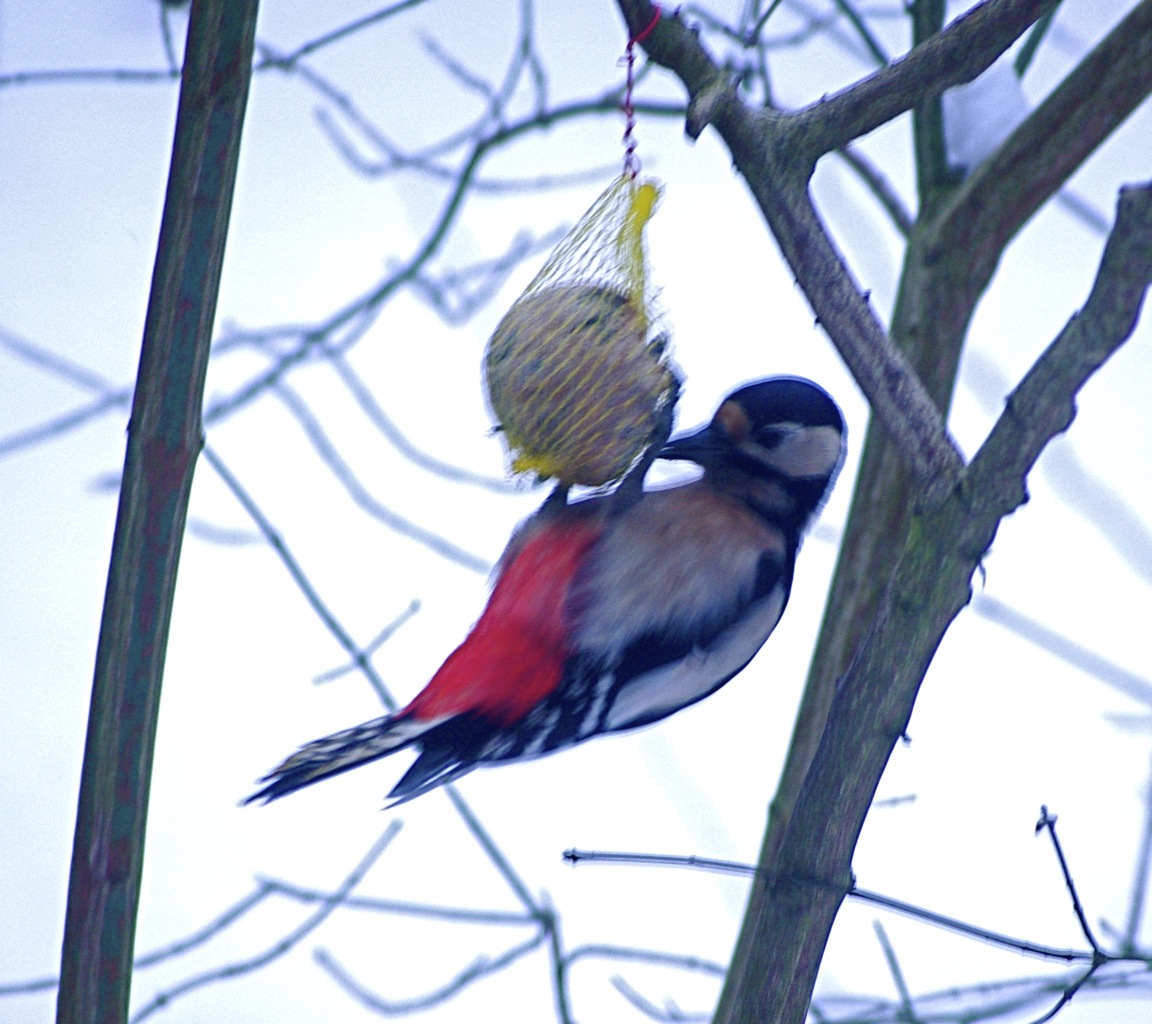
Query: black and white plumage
(607, 615)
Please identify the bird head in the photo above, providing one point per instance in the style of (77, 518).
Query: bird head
(777, 444)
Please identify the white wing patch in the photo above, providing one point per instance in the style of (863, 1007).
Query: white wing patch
(664, 690)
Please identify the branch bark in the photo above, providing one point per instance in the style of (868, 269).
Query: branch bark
(164, 437)
(791, 911)
(772, 152)
(920, 521)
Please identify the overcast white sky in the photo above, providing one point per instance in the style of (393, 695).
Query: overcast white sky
(1001, 727)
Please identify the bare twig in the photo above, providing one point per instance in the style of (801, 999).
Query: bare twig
(481, 967)
(406, 908)
(373, 645)
(1047, 822)
(387, 427)
(299, 577)
(1143, 867)
(1066, 995)
(1130, 684)
(670, 1012)
(198, 938)
(1072, 479)
(907, 1006)
(953, 924)
(878, 184)
(285, 945)
(336, 35)
(330, 455)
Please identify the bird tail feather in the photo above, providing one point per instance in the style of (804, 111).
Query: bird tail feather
(341, 752)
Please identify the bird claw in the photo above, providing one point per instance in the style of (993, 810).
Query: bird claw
(631, 489)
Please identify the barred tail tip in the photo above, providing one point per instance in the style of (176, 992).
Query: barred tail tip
(338, 753)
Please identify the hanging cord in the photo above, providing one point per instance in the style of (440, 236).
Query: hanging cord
(631, 161)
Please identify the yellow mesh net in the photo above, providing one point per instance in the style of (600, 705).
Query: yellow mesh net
(575, 375)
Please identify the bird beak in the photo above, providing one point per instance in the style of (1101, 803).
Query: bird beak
(706, 447)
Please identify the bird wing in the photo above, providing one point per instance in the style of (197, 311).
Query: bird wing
(658, 674)
(514, 656)
(669, 603)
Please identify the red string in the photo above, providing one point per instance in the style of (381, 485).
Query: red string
(631, 161)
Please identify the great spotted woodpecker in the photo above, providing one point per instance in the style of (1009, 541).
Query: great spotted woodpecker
(607, 615)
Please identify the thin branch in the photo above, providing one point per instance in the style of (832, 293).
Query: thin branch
(1083, 211)
(222, 535)
(669, 1012)
(165, 12)
(208, 932)
(387, 427)
(907, 1007)
(1130, 684)
(285, 945)
(296, 572)
(1047, 822)
(1074, 482)
(558, 965)
(881, 188)
(497, 856)
(198, 938)
(373, 645)
(330, 456)
(854, 892)
(457, 294)
(1023, 58)
(860, 26)
(86, 76)
(933, 174)
(57, 426)
(406, 908)
(632, 954)
(967, 1004)
(481, 967)
(1140, 873)
(57, 365)
(1042, 406)
(1066, 995)
(336, 35)
(469, 80)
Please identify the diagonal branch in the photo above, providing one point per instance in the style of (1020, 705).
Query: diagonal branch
(761, 143)
(962, 52)
(791, 918)
(1031, 167)
(1042, 406)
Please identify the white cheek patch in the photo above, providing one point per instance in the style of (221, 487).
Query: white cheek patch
(808, 452)
(666, 689)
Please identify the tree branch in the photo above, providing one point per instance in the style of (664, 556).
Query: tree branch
(1030, 168)
(794, 908)
(963, 51)
(164, 436)
(1042, 406)
(762, 147)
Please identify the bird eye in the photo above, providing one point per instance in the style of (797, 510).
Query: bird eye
(770, 437)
